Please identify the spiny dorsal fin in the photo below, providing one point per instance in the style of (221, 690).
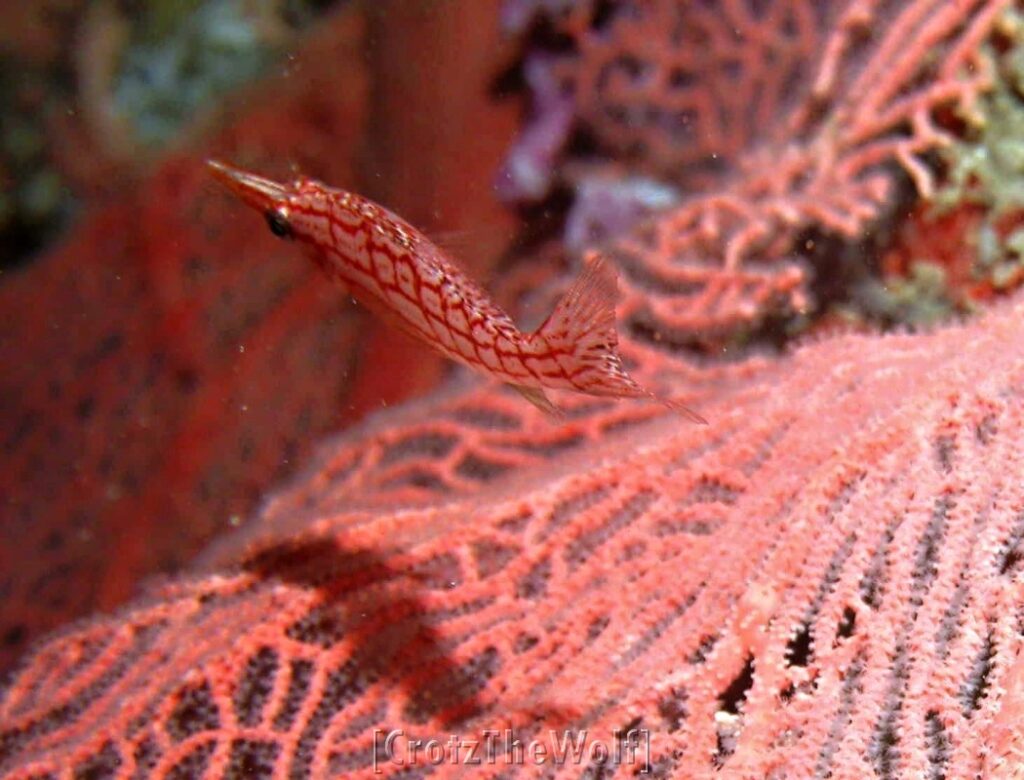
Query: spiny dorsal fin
(583, 325)
(586, 313)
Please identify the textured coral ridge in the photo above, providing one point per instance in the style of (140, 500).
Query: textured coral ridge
(828, 580)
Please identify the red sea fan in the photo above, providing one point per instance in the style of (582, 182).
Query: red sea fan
(133, 426)
(827, 581)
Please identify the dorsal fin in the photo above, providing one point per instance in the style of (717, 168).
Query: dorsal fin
(583, 325)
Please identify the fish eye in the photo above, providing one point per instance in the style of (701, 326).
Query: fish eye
(278, 223)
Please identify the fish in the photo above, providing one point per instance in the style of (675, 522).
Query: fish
(399, 274)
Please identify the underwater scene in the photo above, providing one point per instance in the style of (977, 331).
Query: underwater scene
(512, 389)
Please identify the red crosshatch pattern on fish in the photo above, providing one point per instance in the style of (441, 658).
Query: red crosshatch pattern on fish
(398, 273)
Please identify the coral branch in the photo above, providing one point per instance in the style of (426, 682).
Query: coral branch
(711, 96)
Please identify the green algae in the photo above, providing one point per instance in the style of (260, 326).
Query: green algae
(34, 203)
(981, 168)
(986, 167)
(919, 300)
(147, 68)
(184, 53)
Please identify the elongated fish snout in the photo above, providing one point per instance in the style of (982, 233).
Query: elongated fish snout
(260, 193)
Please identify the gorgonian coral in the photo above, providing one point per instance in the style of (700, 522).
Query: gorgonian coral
(769, 120)
(768, 596)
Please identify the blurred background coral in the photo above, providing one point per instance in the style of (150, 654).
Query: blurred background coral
(163, 360)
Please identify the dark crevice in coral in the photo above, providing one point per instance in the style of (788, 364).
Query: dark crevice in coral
(544, 35)
(938, 746)
(1012, 552)
(508, 82)
(255, 686)
(343, 686)
(300, 678)
(146, 755)
(525, 642)
(486, 419)
(453, 691)
(427, 444)
(418, 478)
(478, 469)
(597, 627)
(711, 490)
(564, 511)
(102, 766)
(707, 644)
(926, 565)
(987, 429)
(252, 760)
(798, 648)
(441, 572)
(840, 266)
(945, 450)
(848, 624)
(195, 764)
(534, 583)
(672, 708)
(195, 712)
(884, 748)
(578, 550)
(603, 14)
(950, 625)
(841, 719)
(323, 626)
(735, 693)
(491, 557)
(975, 686)
(872, 582)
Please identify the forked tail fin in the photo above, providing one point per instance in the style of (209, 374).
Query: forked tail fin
(583, 325)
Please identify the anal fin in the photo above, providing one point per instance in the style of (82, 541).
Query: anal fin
(537, 397)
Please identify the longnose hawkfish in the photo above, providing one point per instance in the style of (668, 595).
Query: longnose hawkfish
(398, 273)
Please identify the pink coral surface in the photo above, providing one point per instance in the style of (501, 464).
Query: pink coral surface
(826, 581)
